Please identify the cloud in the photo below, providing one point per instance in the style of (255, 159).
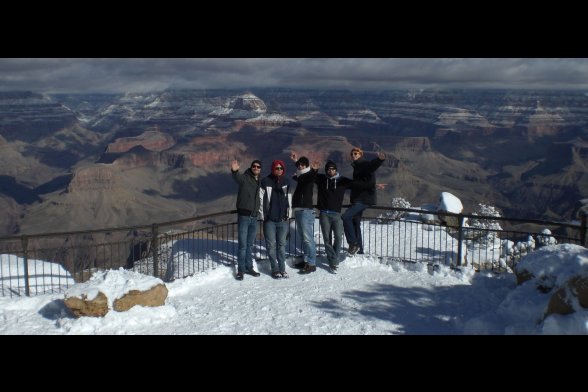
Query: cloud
(136, 75)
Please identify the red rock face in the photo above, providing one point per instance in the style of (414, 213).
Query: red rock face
(98, 177)
(150, 140)
(211, 151)
(539, 130)
(130, 161)
(263, 123)
(207, 159)
(414, 144)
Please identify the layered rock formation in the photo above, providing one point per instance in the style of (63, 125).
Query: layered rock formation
(522, 151)
(150, 140)
(93, 178)
(28, 116)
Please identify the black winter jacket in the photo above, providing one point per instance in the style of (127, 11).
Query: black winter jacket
(365, 171)
(302, 197)
(331, 191)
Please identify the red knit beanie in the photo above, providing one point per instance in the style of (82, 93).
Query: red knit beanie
(278, 162)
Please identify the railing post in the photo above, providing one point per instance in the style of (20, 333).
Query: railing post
(25, 250)
(583, 238)
(459, 240)
(155, 249)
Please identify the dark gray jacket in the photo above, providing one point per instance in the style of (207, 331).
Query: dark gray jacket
(248, 198)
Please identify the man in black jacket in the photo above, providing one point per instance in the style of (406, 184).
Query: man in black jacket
(248, 205)
(331, 191)
(361, 198)
(304, 211)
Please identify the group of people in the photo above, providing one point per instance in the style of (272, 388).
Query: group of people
(270, 200)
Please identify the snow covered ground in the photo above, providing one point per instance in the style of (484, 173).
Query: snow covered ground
(364, 297)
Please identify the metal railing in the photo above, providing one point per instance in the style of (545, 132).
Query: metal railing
(52, 262)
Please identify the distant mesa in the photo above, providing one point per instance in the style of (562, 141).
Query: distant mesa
(413, 144)
(248, 102)
(267, 122)
(150, 140)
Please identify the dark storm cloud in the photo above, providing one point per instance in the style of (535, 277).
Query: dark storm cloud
(122, 75)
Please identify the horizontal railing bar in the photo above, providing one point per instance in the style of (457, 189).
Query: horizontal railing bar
(144, 227)
(186, 220)
(498, 218)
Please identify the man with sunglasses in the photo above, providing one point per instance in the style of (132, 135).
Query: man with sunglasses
(361, 197)
(248, 206)
(331, 191)
(276, 202)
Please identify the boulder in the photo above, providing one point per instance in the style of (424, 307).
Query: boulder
(117, 290)
(574, 291)
(155, 296)
(522, 275)
(82, 306)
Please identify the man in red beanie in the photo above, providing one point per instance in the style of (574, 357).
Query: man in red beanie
(276, 202)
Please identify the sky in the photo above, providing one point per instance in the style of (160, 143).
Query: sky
(367, 296)
(86, 75)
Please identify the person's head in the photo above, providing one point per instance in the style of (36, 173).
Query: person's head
(278, 168)
(255, 167)
(330, 169)
(356, 153)
(302, 163)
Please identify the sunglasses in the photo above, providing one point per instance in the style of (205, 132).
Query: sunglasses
(255, 167)
(356, 153)
(278, 168)
(331, 169)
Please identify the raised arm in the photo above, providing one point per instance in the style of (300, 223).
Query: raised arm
(234, 165)
(238, 177)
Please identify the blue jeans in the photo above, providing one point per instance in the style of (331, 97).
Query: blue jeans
(275, 241)
(247, 226)
(332, 228)
(305, 224)
(352, 229)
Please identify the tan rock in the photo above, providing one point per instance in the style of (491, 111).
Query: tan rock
(522, 275)
(575, 289)
(580, 288)
(559, 303)
(97, 307)
(155, 296)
